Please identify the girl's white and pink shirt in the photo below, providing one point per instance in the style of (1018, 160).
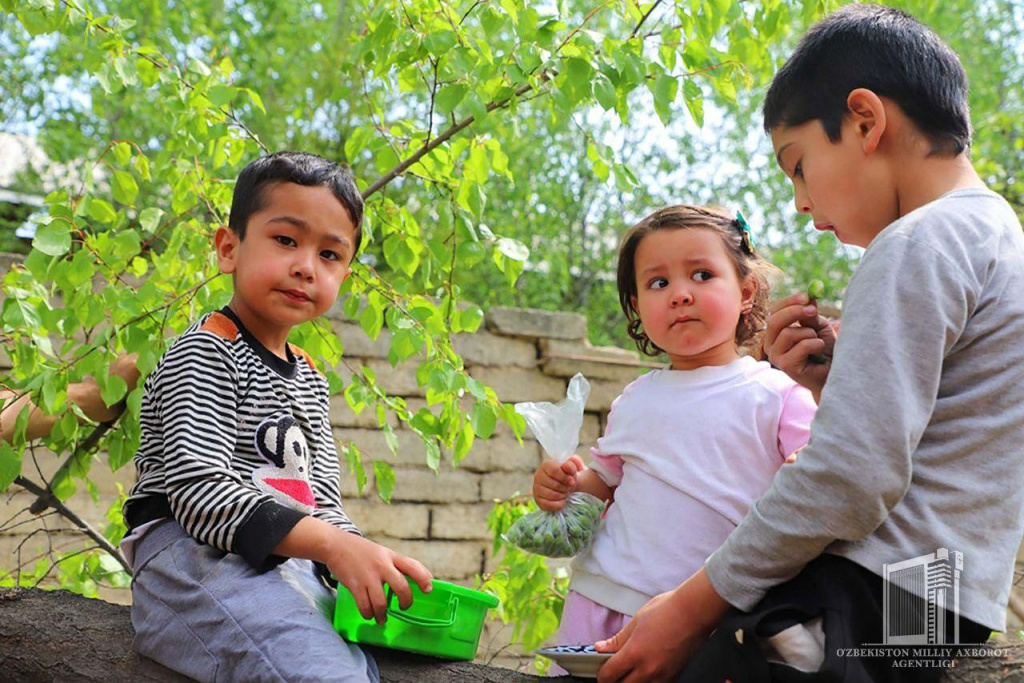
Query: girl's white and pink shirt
(689, 451)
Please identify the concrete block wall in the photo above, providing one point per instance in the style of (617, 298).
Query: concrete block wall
(525, 355)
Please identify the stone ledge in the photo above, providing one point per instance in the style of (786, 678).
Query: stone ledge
(531, 322)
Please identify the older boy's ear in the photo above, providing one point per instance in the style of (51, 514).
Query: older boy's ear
(867, 117)
(226, 243)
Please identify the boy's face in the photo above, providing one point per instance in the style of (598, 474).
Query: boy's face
(295, 256)
(840, 184)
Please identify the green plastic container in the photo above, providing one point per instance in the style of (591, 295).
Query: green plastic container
(444, 623)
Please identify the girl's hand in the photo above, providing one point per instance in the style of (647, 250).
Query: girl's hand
(552, 483)
(798, 340)
(363, 566)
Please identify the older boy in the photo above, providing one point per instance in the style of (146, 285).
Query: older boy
(237, 466)
(916, 443)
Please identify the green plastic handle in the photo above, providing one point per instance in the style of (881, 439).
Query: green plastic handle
(428, 622)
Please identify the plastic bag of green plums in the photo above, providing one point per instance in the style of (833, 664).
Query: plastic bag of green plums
(570, 530)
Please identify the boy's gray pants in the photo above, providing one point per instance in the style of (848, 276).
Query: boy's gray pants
(209, 615)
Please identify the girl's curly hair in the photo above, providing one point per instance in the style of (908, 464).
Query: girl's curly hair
(737, 242)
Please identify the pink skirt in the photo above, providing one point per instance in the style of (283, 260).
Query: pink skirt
(584, 622)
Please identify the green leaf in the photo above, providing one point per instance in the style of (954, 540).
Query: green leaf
(694, 101)
(10, 465)
(483, 420)
(112, 389)
(198, 67)
(371, 321)
(476, 166)
(664, 89)
(351, 307)
(101, 210)
(574, 81)
(604, 92)
(122, 153)
(221, 95)
(513, 249)
(357, 141)
(355, 465)
(53, 238)
(149, 219)
(440, 42)
(142, 166)
(468, 254)
(449, 96)
(471, 197)
(390, 438)
(124, 188)
(385, 478)
(433, 454)
(255, 98)
(463, 442)
(470, 318)
(400, 254)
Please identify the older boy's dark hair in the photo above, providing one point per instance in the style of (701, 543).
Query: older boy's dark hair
(886, 51)
(748, 263)
(301, 168)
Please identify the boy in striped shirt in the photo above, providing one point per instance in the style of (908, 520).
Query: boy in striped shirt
(237, 512)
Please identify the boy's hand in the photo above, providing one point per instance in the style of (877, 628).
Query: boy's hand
(796, 333)
(552, 483)
(664, 634)
(363, 567)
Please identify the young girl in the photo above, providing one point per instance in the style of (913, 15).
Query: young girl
(686, 450)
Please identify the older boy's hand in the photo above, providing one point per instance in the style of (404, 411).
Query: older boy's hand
(553, 482)
(659, 641)
(798, 339)
(363, 567)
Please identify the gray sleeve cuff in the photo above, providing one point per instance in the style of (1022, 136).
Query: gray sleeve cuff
(728, 581)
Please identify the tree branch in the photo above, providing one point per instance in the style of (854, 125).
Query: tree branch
(458, 126)
(644, 18)
(426, 149)
(43, 502)
(69, 514)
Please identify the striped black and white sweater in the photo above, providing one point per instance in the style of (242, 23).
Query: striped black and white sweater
(236, 442)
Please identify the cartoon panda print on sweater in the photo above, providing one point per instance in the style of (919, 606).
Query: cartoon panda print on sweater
(280, 441)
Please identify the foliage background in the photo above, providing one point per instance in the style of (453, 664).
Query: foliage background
(503, 147)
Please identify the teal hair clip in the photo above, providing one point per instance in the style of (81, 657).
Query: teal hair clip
(748, 240)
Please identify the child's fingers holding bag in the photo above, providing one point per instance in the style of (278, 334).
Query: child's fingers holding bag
(550, 499)
(573, 466)
(551, 485)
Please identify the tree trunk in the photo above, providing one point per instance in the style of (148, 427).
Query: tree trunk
(47, 636)
(61, 636)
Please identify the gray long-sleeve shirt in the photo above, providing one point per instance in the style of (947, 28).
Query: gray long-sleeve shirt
(918, 443)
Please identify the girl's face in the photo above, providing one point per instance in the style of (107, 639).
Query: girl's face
(689, 296)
